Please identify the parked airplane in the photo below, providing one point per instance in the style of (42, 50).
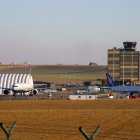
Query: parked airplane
(17, 83)
(115, 87)
(22, 88)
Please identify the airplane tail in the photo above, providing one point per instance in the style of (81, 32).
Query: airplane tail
(110, 81)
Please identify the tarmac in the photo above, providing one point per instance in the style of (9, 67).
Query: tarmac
(39, 96)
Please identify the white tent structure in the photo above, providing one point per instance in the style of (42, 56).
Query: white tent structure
(7, 80)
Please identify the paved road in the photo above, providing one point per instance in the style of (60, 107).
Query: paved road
(39, 96)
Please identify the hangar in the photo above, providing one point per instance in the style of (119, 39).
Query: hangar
(8, 80)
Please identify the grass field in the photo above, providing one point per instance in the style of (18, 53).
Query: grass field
(60, 120)
(60, 73)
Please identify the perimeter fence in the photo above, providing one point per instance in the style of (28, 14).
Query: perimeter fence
(117, 133)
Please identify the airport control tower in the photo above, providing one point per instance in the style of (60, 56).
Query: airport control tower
(123, 63)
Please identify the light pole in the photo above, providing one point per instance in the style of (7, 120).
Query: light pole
(113, 64)
(132, 69)
(123, 67)
(74, 77)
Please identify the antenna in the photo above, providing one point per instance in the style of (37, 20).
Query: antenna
(30, 69)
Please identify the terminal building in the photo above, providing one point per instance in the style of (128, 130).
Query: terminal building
(123, 64)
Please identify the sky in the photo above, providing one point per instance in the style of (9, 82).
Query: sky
(66, 31)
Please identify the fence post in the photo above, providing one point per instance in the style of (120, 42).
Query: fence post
(8, 133)
(87, 136)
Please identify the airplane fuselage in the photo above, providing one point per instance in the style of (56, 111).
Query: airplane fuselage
(126, 88)
(21, 88)
(24, 87)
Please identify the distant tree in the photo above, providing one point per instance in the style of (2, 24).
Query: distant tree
(92, 64)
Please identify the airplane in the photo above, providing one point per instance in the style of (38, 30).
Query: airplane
(18, 83)
(22, 88)
(115, 87)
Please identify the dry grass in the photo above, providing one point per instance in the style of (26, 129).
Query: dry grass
(55, 120)
(59, 74)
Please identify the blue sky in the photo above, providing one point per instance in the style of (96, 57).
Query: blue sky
(66, 31)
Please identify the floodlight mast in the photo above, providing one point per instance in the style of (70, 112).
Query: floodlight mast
(30, 69)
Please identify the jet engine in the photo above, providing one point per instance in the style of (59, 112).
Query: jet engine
(35, 91)
(6, 91)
